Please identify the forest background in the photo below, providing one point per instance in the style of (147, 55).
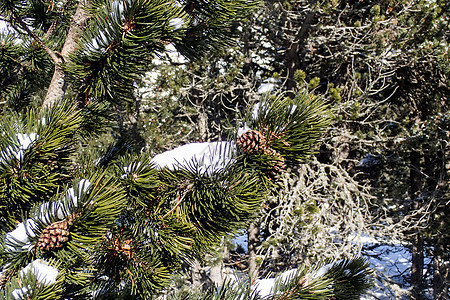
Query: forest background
(382, 170)
(380, 177)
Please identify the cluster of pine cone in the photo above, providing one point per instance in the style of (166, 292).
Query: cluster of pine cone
(253, 142)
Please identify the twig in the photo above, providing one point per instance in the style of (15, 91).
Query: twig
(177, 204)
(56, 58)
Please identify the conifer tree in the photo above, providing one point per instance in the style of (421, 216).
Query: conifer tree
(77, 224)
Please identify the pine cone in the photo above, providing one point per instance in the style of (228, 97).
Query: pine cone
(252, 141)
(54, 236)
(3, 281)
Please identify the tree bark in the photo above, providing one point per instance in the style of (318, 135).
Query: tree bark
(294, 50)
(58, 84)
(253, 243)
(441, 264)
(196, 275)
(417, 261)
(417, 267)
(441, 272)
(216, 274)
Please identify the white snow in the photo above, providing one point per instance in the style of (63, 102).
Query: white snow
(287, 275)
(176, 23)
(391, 262)
(23, 143)
(264, 287)
(26, 140)
(3, 26)
(259, 108)
(205, 157)
(243, 129)
(361, 238)
(268, 85)
(128, 169)
(24, 232)
(20, 294)
(322, 270)
(21, 235)
(120, 6)
(45, 274)
(174, 55)
(71, 202)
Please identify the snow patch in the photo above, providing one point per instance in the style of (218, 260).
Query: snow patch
(21, 235)
(4, 27)
(24, 231)
(129, 169)
(23, 293)
(45, 274)
(23, 143)
(176, 23)
(243, 129)
(207, 158)
(174, 55)
(268, 85)
(263, 287)
(71, 201)
(361, 238)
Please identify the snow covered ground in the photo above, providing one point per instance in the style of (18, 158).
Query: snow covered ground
(391, 264)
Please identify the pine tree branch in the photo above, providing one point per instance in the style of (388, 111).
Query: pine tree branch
(57, 20)
(58, 85)
(56, 59)
(178, 202)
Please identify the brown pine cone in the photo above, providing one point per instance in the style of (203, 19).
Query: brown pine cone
(252, 141)
(54, 236)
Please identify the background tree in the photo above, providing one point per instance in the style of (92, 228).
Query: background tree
(383, 68)
(114, 222)
(356, 53)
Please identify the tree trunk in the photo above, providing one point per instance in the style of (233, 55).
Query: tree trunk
(58, 85)
(294, 52)
(216, 274)
(253, 243)
(196, 273)
(441, 271)
(417, 261)
(417, 267)
(441, 265)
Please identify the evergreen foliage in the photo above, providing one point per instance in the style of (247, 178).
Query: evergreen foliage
(116, 224)
(339, 280)
(383, 68)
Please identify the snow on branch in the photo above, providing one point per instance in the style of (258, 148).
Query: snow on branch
(45, 274)
(205, 158)
(17, 151)
(19, 238)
